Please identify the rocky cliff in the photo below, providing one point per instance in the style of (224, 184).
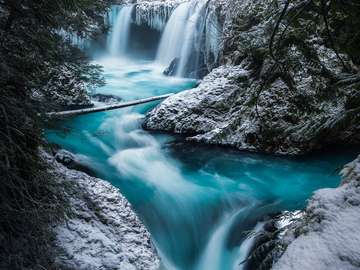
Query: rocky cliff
(102, 231)
(283, 86)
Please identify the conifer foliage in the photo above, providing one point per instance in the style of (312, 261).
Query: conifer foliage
(33, 52)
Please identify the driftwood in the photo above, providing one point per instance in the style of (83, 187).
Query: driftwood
(107, 107)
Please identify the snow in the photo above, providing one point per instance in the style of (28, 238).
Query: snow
(155, 14)
(103, 232)
(329, 236)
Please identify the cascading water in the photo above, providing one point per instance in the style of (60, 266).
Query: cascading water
(213, 257)
(120, 19)
(196, 202)
(192, 36)
(170, 44)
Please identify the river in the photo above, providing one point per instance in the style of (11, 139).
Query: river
(198, 202)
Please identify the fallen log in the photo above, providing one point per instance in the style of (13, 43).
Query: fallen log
(107, 107)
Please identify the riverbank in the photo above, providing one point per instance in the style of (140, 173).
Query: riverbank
(102, 230)
(278, 85)
(327, 236)
(255, 102)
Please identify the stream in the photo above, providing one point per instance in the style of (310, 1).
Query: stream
(198, 202)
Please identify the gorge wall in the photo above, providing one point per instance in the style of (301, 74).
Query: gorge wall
(101, 230)
(281, 87)
(284, 93)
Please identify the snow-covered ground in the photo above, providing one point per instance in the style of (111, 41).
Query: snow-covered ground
(327, 237)
(103, 231)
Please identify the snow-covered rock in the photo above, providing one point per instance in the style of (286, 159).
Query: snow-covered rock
(327, 237)
(296, 105)
(226, 109)
(65, 157)
(103, 232)
(154, 14)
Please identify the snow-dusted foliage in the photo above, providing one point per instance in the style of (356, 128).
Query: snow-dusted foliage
(327, 236)
(64, 89)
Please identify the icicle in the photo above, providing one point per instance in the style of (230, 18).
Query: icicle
(75, 39)
(155, 14)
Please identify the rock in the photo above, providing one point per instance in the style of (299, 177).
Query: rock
(327, 236)
(64, 157)
(200, 73)
(224, 110)
(248, 105)
(267, 242)
(74, 162)
(172, 68)
(103, 232)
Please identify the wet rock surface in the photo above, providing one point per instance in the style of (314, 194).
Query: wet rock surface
(172, 68)
(74, 162)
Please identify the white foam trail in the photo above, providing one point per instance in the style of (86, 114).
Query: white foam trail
(99, 143)
(141, 156)
(212, 258)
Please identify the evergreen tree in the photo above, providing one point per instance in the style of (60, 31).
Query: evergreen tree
(34, 53)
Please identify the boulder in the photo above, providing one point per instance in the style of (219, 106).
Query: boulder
(102, 231)
(172, 68)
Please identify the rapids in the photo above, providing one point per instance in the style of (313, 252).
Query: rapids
(197, 202)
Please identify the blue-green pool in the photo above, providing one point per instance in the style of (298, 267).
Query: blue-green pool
(196, 201)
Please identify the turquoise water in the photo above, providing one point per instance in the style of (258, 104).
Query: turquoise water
(198, 202)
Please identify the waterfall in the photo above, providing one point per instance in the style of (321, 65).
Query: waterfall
(214, 257)
(120, 19)
(192, 35)
(170, 44)
(246, 246)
